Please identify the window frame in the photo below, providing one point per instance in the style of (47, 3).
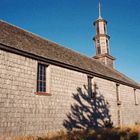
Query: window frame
(118, 94)
(105, 31)
(97, 28)
(98, 49)
(90, 90)
(43, 79)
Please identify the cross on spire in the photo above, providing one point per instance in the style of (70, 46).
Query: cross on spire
(100, 9)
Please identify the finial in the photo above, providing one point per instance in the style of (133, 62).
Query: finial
(100, 9)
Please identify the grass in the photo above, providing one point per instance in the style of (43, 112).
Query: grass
(125, 133)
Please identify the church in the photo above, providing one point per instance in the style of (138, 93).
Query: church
(45, 87)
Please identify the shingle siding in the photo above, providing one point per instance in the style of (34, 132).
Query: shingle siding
(22, 112)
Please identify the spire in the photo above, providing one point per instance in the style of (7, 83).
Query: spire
(100, 10)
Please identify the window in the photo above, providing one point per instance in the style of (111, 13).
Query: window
(98, 41)
(135, 97)
(119, 117)
(98, 50)
(107, 45)
(118, 94)
(90, 93)
(41, 78)
(97, 26)
(104, 28)
(106, 42)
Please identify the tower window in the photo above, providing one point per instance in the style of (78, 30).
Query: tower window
(97, 26)
(104, 28)
(106, 42)
(107, 46)
(41, 78)
(98, 50)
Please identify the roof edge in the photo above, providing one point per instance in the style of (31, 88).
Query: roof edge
(39, 36)
(61, 64)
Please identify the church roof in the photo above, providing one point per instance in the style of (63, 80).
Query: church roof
(14, 38)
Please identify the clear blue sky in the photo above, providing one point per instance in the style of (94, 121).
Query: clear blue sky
(69, 23)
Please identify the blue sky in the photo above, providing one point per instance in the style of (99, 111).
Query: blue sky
(70, 23)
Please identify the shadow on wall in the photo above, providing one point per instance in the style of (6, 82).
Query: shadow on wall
(90, 111)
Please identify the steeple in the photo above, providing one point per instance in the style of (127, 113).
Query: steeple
(101, 40)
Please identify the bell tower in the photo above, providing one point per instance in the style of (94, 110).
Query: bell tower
(101, 40)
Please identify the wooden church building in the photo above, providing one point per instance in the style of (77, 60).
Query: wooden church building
(46, 87)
